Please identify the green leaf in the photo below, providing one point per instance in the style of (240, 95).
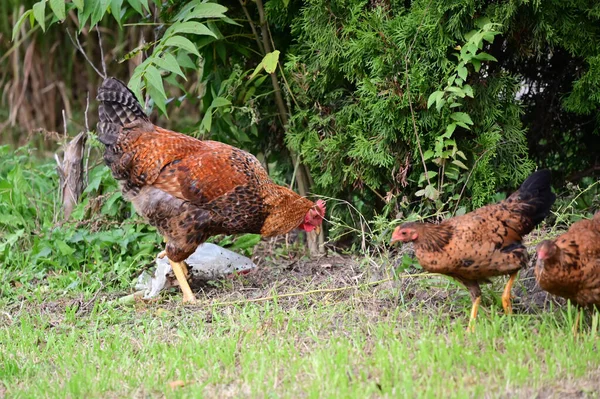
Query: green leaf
(84, 15)
(461, 154)
(192, 27)
(79, 4)
(145, 4)
(485, 57)
(449, 130)
(64, 249)
(220, 102)
(260, 80)
(169, 64)
(205, 10)
(431, 192)
(270, 61)
(470, 34)
(461, 117)
(459, 164)
(135, 85)
(427, 155)
(482, 21)
(182, 43)
(185, 61)
(430, 175)
(58, 8)
(137, 6)
(439, 103)
(462, 72)
(230, 21)
(489, 36)
(159, 98)
(11, 239)
(221, 51)
(101, 6)
(433, 97)
(154, 78)
(184, 11)
(246, 241)
(39, 12)
(476, 64)
(452, 173)
(115, 10)
(19, 23)
(457, 90)
(206, 123)
(468, 90)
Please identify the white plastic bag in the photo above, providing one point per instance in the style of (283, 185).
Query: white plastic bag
(209, 262)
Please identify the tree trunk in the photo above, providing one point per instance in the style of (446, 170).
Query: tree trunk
(71, 173)
(302, 176)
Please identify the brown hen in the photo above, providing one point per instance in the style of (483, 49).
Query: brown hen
(569, 265)
(191, 189)
(483, 243)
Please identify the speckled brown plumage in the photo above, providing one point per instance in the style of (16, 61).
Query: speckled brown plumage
(483, 243)
(569, 266)
(190, 189)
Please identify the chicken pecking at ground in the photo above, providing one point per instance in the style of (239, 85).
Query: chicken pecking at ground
(192, 189)
(483, 243)
(569, 265)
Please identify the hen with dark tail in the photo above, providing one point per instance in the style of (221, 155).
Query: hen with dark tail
(484, 243)
(192, 189)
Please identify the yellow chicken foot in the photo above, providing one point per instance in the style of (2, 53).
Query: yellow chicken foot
(180, 271)
(474, 309)
(506, 295)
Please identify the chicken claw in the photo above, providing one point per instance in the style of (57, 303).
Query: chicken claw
(506, 295)
(474, 309)
(180, 271)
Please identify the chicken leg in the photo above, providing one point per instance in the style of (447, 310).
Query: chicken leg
(180, 269)
(181, 273)
(506, 295)
(475, 291)
(474, 310)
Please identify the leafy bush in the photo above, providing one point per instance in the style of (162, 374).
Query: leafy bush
(363, 80)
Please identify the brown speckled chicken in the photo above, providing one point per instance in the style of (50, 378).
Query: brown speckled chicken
(483, 243)
(191, 189)
(569, 265)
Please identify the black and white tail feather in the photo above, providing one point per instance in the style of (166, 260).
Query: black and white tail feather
(118, 107)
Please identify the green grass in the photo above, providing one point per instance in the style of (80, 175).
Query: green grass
(357, 343)
(64, 334)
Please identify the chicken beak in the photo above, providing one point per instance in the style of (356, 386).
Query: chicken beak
(318, 230)
(395, 238)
